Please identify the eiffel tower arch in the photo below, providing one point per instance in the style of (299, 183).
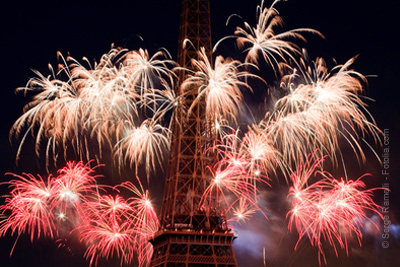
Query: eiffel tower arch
(190, 234)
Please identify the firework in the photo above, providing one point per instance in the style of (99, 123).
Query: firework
(142, 70)
(106, 236)
(106, 229)
(320, 108)
(328, 210)
(262, 155)
(145, 220)
(114, 227)
(145, 216)
(242, 210)
(74, 184)
(263, 40)
(235, 180)
(93, 104)
(123, 106)
(35, 204)
(144, 145)
(221, 86)
(29, 207)
(108, 225)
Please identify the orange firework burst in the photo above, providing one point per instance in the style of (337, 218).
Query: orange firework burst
(320, 108)
(93, 104)
(221, 85)
(263, 39)
(145, 144)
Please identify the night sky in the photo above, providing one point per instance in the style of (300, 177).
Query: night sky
(32, 33)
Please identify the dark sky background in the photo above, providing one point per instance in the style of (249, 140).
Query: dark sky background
(32, 33)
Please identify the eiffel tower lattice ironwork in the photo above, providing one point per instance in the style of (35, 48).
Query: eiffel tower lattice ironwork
(191, 234)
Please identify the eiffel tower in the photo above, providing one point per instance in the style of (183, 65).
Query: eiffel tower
(191, 233)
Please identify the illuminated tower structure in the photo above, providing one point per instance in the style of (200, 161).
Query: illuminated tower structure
(192, 233)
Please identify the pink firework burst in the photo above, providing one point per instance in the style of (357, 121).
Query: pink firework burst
(112, 226)
(144, 219)
(235, 191)
(237, 175)
(106, 229)
(109, 225)
(28, 205)
(106, 236)
(74, 184)
(329, 209)
(35, 205)
(242, 210)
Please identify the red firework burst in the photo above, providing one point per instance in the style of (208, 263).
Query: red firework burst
(329, 209)
(28, 205)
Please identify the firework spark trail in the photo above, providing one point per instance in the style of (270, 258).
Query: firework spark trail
(93, 104)
(103, 104)
(35, 204)
(73, 185)
(250, 155)
(49, 110)
(145, 215)
(143, 145)
(242, 210)
(328, 209)
(106, 236)
(114, 227)
(257, 146)
(145, 220)
(28, 204)
(106, 229)
(108, 225)
(142, 69)
(263, 40)
(221, 86)
(320, 108)
(235, 181)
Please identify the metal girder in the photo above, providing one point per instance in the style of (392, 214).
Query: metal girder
(192, 233)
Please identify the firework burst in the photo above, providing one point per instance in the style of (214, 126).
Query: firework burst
(109, 225)
(75, 185)
(264, 40)
(242, 210)
(320, 108)
(145, 220)
(145, 144)
(235, 180)
(93, 104)
(35, 204)
(220, 86)
(106, 237)
(28, 206)
(106, 229)
(329, 209)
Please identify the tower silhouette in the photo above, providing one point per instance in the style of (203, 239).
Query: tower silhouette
(193, 233)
